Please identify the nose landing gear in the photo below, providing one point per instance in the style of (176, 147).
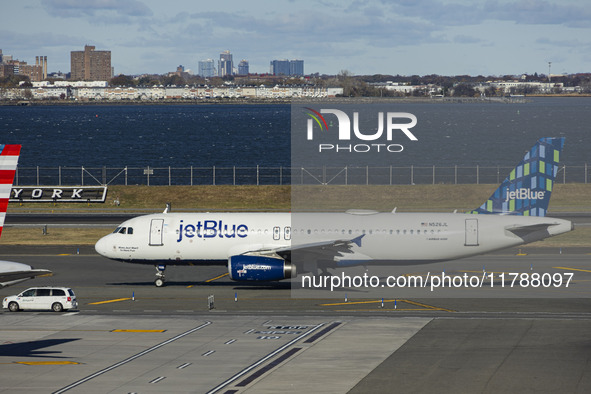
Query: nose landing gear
(159, 282)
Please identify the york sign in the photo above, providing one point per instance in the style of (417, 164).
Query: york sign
(96, 194)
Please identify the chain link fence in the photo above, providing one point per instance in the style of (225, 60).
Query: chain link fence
(168, 176)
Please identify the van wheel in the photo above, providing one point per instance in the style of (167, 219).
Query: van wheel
(57, 307)
(13, 307)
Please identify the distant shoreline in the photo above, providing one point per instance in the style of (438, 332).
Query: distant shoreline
(277, 101)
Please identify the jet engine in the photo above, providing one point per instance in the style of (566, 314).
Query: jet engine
(255, 267)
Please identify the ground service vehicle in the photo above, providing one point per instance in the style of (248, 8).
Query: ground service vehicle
(56, 299)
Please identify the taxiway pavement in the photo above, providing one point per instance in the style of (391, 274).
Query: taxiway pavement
(129, 336)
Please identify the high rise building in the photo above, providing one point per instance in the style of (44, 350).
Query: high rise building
(287, 67)
(206, 68)
(296, 67)
(225, 64)
(90, 65)
(36, 73)
(243, 67)
(279, 67)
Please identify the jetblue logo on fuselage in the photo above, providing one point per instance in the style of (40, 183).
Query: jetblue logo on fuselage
(524, 194)
(211, 229)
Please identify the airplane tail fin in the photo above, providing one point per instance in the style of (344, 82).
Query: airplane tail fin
(8, 160)
(527, 189)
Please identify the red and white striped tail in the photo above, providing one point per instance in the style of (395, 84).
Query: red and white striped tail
(8, 161)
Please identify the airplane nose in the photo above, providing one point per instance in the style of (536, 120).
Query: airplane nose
(102, 247)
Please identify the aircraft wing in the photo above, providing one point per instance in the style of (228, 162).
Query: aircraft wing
(326, 250)
(7, 278)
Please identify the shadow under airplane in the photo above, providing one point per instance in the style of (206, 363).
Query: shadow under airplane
(32, 348)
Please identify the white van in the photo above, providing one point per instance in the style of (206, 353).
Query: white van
(56, 299)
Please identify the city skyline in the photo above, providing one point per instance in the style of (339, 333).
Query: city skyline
(445, 37)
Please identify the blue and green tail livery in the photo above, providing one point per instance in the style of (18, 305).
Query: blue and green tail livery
(527, 189)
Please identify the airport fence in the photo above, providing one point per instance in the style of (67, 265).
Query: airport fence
(163, 176)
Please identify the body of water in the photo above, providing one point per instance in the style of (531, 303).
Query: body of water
(250, 135)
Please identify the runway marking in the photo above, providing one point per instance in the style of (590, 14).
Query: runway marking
(322, 332)
(356, 302)
(217, 277)
(428, 307)
(109, 301)
(262, 360)
(158, 379)
(211, 280)
(46, 362)
(130, 359)
(124, 330)
(268, 367)
(572, 269)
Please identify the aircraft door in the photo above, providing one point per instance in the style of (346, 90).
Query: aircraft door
(156, 232)
(471, 232)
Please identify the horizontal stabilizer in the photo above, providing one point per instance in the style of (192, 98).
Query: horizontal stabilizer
(18, 275)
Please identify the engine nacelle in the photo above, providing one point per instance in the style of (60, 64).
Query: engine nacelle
(246, 267)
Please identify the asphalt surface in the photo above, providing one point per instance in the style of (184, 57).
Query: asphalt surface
(117, 218)
(129, 336)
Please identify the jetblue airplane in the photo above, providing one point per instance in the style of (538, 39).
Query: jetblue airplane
(275, 246)
(10, 272)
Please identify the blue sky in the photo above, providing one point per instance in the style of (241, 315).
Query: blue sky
(446, 37)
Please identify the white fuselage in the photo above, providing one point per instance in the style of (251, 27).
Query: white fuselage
(211, 238)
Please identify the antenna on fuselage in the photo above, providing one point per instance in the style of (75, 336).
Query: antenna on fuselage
(168, 208)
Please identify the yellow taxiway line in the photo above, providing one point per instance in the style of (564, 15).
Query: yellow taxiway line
(109, 301)
(425, 306)
(212, 279)
(46, 362)
(572, 269)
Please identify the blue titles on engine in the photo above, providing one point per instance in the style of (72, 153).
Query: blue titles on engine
(211, 229)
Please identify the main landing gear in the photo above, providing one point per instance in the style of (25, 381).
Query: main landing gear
(159, 282)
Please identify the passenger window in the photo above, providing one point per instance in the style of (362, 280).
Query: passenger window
(287, 233)
(58, 292)
(43, 292)
(29, 293)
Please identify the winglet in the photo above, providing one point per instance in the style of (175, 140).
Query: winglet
(527, 189)
(8, 160)
(357, 240)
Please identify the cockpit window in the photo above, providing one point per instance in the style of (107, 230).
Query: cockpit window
(123, 230)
